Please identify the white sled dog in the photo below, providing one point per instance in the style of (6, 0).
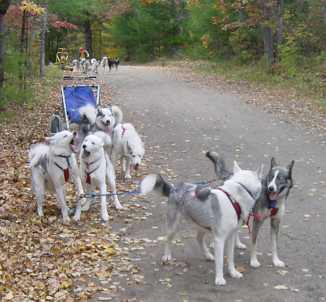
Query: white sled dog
(220, 212)
(100, 122)
(94, 66)
(93, 169)
(127, 146)
(53, 164)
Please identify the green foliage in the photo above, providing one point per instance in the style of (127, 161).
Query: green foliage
(15, 89)
(147, 30)
(203, 38)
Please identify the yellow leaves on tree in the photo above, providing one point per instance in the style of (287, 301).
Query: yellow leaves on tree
(31, 8)
(205, 40)
(148, 2)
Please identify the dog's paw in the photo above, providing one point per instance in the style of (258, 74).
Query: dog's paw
(66, 221)
(85, 207)
(209, 257)
(254, 263)
(278, 263)
(76, 217)
(118, 205)
(220, 281)
(104, 217)
(127, 176)
(235, 274)
(166, 258)
(240, 245)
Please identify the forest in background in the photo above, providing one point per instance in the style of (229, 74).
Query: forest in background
(279, 38)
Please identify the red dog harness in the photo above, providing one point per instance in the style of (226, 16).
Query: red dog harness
(123, 131)
(234, 203)
(88, 173)
(66, 170)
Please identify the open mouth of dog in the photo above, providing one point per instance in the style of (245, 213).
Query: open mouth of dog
(276, 195)
(273, 195)
(86, 153)
(73, 147)
(136, 167)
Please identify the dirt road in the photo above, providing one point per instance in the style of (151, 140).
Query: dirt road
(180, 120)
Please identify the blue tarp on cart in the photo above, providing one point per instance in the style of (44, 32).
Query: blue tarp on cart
(75, 98)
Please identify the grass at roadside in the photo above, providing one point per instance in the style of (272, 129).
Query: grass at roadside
(38, 90)
(308, 84)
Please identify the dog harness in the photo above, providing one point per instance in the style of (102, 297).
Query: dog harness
(272, 206)
(234, 203)
(257, 217)
(66, 170)
(88, 173)
(123, 131)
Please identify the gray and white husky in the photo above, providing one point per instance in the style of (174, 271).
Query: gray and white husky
(271, 204)
(52, 165)
(276, 188)
(217, 211)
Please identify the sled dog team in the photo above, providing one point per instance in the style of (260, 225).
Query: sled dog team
(101, 138)
(85, 65)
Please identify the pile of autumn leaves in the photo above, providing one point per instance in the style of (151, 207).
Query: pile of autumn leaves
(41, 259)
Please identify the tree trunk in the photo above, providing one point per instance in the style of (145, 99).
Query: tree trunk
(280, 26)
(268, 44)
(280, 21)
(3, 9)
(42, 42)
(23, 32)
(88, 37)
(267, 32)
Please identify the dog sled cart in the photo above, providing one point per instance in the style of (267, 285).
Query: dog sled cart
(73, 98)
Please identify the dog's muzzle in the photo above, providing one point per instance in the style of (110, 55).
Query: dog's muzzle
(85, 152)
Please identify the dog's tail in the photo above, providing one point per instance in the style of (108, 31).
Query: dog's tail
(157, 183)
(37, 153)
(88, 112)
(221, 171)
(118, 115)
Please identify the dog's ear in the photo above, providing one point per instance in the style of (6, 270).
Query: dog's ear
(260, 172)
(273, 163)
(84, 119)
(236, 168)
(290, 167)
(99, 112)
